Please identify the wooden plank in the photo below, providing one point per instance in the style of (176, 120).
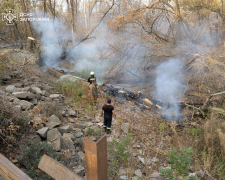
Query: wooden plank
(102, 158)
(91, 159)
(10, 172)
(56, 170)
(96, 159)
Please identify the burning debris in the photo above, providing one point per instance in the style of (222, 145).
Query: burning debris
(135, 98)
(142, 100)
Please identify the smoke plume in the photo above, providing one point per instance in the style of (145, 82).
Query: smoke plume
(56, 38)
(169, 87)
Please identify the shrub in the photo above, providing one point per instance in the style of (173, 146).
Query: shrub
(179, 163)
(31, 158)
(195, 132)
(118, 150)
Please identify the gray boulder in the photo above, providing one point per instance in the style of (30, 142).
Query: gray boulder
(155, 159)
(16, 101)
(10, 88)
(43, 132)
(28, 88)
(19, 90)
(57, 144)
(155, 175)
(53, 134)
(38, 119)
(34, 101)
(54, 118)
(125, 127)
(69, 135)
(81, 155)
(64, 129)
(52, 125)
(95, 129)
(123, 177)
(19, 85)
(80, 126)
(72, 113)
(89, 124)
(138, 173)
(17, 108)
(3, 95)
(36, 90)
(23, 95)
(141, 159)
(47, 87)
(67, 143)
(79, 134)
(25, 105)
(55, 96)
(80, 170)
(6, 78)
(39, 126)
(122, 172)
(71, 120)
(45, 93)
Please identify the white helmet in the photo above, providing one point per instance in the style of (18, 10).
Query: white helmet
(92, 73)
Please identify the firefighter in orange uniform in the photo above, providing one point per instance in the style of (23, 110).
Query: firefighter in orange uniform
(92, 89)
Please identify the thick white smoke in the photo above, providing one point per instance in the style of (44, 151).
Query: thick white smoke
(170, 86)
(55, 37)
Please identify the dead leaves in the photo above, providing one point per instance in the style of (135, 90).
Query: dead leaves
(36, 112)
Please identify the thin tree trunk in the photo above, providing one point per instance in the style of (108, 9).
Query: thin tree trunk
(14, 36)
(76, 10)
(85, 16)
(27, 22)
(73, 21)
(54, 10)
(50, 3)
(20, 38)
(45, 8)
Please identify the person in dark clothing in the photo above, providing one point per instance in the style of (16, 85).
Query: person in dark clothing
(92, 78)
(108, 110)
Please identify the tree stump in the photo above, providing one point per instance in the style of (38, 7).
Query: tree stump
(30, 44)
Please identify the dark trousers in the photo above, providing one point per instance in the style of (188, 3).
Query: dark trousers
(107, 122)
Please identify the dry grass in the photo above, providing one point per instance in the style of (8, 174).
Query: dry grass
(77, 96)
(13, 128)
(209, 144)
(3, 64)
(206, 74)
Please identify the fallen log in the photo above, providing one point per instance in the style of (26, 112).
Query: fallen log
(142, 105)
(147, 101)
(55, 72)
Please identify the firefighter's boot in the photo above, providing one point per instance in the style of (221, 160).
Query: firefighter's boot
(108, 131)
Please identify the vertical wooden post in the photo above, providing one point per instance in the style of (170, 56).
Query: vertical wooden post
(96, 159)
